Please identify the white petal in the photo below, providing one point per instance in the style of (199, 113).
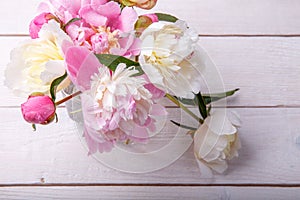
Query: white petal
(219, 123)
(205, 171)
(53, 69)
(208, 145)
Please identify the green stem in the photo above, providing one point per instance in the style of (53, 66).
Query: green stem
(175, 101)
(67, 98)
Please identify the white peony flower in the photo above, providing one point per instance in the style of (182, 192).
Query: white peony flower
(170, 59)
(215, 142)
(35, 63)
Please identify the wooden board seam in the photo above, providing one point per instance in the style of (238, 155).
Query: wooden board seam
(148, 185)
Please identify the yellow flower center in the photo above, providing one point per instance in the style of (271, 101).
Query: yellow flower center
(112, 38)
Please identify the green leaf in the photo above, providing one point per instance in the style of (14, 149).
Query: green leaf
(112, 61)
(70, 22)
(215, 97)
(191, 102)
(183, 126)
(54, 85)
(208, 98)
(201, 105)
(166, 17)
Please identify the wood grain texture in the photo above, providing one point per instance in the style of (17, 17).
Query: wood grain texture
(270, 153)
(214, 17)
(265, 69)
(163, 193)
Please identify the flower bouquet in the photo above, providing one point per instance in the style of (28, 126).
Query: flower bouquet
(120, 68)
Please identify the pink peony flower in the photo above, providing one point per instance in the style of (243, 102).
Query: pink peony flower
(37, 23)
(104, 27)
(38, 109)
(118, 108)
(113, 29)
(116, 105)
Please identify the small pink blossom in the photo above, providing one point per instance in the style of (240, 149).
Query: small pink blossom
(38, 109)
(37, 23)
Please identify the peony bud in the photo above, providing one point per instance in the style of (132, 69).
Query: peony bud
(38, 109)
(144, 21)
(37, 23)
(144, 4)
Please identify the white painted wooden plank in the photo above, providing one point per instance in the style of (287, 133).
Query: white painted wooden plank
(150, 192)
(54, 154)
(208, 17)
(237, 17)
(16, 16)
(266, 69)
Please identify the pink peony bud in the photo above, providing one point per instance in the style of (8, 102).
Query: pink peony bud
(152, 16)
(38, 109)
(37, 23)
(144, 21)
(144, 4)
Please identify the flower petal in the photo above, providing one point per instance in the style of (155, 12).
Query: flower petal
(127, 19)
(219, 123)
(81, 65)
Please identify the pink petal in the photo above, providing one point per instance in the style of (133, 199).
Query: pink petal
(93, 2)
(105, 147)
(130, 46)
(89, 67)
(109, 10)
(156, 93)
(67, 5)
(139, 134)
(66, 45)
(90, 143)
(127, 19)
(95, 145)
(135, 47)
(81, 65)
(92, 17)
(74, 58)
(152, 127)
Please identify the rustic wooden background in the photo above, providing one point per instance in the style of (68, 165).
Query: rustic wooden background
(256, 46)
